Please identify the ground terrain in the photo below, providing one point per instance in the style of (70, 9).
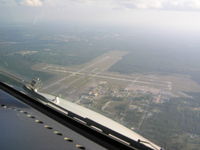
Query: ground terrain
(147, 87)
(133, 100)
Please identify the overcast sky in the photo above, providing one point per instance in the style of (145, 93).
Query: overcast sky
(175, 14)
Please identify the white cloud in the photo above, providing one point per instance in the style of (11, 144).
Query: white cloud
(161, 4)
(146, 4)
(130, 4)
(33, 3)
(141, 4)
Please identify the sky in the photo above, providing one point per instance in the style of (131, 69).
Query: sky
(173, 14)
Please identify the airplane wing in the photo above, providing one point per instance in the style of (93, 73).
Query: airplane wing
(33, 122)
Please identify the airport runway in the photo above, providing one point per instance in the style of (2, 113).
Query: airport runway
(96, 69)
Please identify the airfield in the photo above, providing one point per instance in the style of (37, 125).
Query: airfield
(141, 102)
(73, 77)
(113, 94)
(71, 81)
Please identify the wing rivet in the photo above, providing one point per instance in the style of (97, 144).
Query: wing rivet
(68, 139)
(38, 121)
(57, 133)
(80, 146)
(48, 127)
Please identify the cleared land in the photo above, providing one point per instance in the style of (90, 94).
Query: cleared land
(70, 81)
(138, 101)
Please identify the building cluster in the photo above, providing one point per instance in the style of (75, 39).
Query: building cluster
(94, 93)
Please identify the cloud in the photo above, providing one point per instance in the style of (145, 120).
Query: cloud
(146, 4)
(32, 3)
(191, 5)
(140, 4)
(182, 4)
(161, 4)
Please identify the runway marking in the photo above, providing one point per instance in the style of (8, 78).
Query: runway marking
(50, 85)
(90, 70)
(113, 78)
(73, 81)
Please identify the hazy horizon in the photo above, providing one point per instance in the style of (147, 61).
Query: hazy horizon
(174, 15)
